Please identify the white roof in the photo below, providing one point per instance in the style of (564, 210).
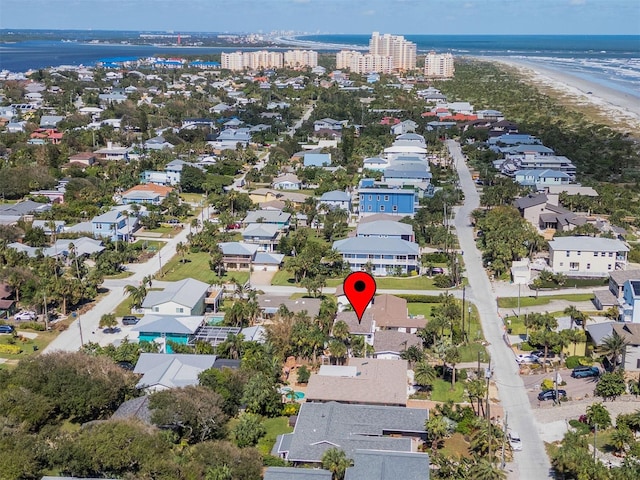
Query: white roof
(587, 244)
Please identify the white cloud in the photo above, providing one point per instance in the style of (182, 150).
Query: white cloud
(368, 13)
(577, 2)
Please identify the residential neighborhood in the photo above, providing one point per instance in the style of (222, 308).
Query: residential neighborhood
(180, 233)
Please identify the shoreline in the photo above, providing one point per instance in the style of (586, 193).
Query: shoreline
(583, 92)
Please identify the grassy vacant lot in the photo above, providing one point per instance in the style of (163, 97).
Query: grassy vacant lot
(196, 265)
(421, 308)
(274, 426)
(441, 391)
(512, 302)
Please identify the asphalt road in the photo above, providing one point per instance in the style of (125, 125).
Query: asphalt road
(85, 327)
(532, 462)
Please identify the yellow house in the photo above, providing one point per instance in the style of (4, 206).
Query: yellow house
(262, 195)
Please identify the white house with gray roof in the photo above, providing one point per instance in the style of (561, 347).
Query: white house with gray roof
(275, 217)
(587, 256)
(181, 298)
(386, 256)
(265, 235)
(292, 473)
(336, 199)
(161, 371)
(321, 426)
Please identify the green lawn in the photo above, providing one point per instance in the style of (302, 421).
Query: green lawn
(196, 266)
(512, 302)
(421, 308)
(162, 230)
(274, 426)
(469, 352)
(441, 391)
(192, 197)
(395, 283)
(153, 245)
(41, 341)
(124, 274)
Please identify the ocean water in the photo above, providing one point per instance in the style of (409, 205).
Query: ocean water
(613, 61)
(609, 60)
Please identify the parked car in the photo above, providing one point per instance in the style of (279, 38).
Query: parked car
(540, 354)
(130, 320)
(514, 441)
(527, 358)
(585, 372)
(437, 271)
(234, 226)
(173, 221)
(6, 328)
(25, 315)
(551, 395)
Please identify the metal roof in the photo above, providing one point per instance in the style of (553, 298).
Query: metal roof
(187, 292)
(376, 245)
(587, 244)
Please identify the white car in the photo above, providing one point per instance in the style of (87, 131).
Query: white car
(527, 358)
(25, 315)
(514, 441)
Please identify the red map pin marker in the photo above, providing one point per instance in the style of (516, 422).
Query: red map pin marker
(359, 287)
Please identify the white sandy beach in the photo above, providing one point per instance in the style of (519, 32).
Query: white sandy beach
(624, 106)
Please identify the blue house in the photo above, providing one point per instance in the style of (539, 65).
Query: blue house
(630, 308)
(317, 159)
(394, 201)
(162, 329)
(114, 225)
(542, 178)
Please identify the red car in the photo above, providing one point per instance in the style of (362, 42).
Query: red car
(234, 226)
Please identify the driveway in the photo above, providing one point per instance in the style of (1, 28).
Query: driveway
(535, 464)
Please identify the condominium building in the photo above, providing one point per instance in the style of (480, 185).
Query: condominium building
(300, 58)
(364, 63)
(402, 51)
(251, 60)
(439, 65)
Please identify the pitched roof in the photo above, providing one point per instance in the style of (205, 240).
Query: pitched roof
(288, 178)
(377, 381)
(599, 331)
(321, 426)
(355, 327)
(238, 248)
(169, 324)
(375, 245)
(389, 311)
(134, 408)
(379, 465)
(149, 187)
(335, 196)
(376, 217)
(621, 276)
(267, 258)
(185, 292)
(268, 216)
(630, 331)
(384, 228)
(271, 303)
(292, 473)
(394, 341)
(171, 370)
(530, 201)
(262, 230)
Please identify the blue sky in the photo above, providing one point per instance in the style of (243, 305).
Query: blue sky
(596, 17)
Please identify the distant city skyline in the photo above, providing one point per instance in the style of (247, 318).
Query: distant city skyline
(404, 17)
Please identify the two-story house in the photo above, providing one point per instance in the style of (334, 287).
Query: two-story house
(587, 256)
(288, 181)
(265, 235)
(613, 296)
(150, 193)
(393, 201)
(115, 225)
(336, 199)
(329, 124)
(385, 256)
(386, 229)
(276, 217)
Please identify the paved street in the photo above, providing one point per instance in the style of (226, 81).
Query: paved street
(86, 325)
(533, 462)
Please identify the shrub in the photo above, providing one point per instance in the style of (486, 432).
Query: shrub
(576, 361)
(413, 298)
(38, 327)
(443, 281)
(547, 384)
(303, 374)
(435, 257)
(290, 409)
(10, 349)
(525, 347)
(581, 428)
(271, 461)
(461, 374)
(413, 273)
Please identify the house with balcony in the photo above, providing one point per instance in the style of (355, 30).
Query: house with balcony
(630, 304)
(171, 176)
(313, 159)
(393, 201)
(336, 199)
(168, 328)
(246, 256)
(375, 163)
(386, 229)
(114, 225)
(112, 152)
(613, 296)
(329, 124)
(587, 256)
(288, 181)
(408, 173)
(265, 235)
(541, 178)
(385, 256)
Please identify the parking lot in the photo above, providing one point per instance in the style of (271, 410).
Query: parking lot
(577, 388)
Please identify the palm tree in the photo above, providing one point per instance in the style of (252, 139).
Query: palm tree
(182, 249)
(576, 316)
(485, 470)
(614, 347)
(136, 294)
(108, 321)
(413, 354)
(437, 429)
(424, 374)
(340, 330)
(338, 351)
(336, 461)
(621, 438)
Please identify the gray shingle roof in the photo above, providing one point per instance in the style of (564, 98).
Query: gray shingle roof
(171, 370)
(266, 258)
(335, 196)
(290, 473)
(268, 216)
(530, 201)
(238, 248)
(377, 465)
(185, 292)
(260, 230)
(599, 331)
(134, 408)
(321, 426)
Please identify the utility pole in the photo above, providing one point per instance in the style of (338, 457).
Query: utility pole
(595, 434)
(80, 328)
(556, 400)
(463, 331)
(46, 313)
(504, 437)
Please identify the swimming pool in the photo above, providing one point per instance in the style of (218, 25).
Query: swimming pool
(299, 395)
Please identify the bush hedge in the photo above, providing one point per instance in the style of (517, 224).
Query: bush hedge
(413, 298)
(576, 361)
(10, 349)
